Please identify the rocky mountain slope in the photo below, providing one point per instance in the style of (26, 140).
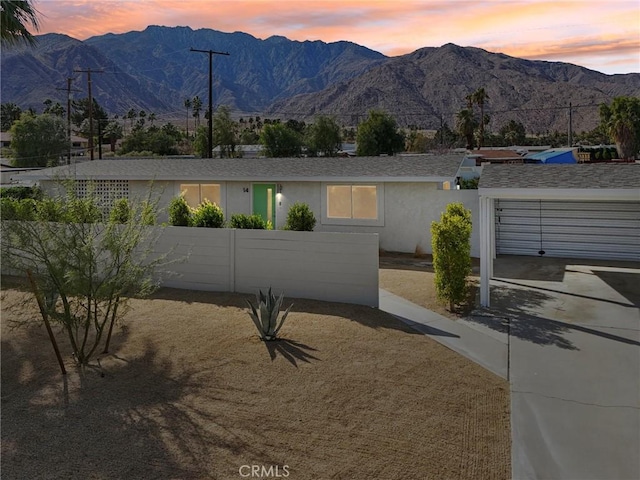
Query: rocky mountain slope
(154, 70)
(420, 87)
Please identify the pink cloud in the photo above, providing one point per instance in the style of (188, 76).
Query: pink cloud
(539, 29)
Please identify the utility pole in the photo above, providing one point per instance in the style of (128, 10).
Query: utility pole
(211, 54)
(570, 135)
(69, 90)
(88, 72)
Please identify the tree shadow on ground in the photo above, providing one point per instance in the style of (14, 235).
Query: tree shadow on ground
(366, 316)
(129, 418)
(291, 350)
(510, 313)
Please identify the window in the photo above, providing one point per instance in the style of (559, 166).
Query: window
(196, 193)
(353, 204)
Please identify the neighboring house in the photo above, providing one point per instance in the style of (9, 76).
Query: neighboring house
(5, 139)
(553, 155)
(79, 145)
(397, 196)
(573, 211)
(7, 172)
(484, 157)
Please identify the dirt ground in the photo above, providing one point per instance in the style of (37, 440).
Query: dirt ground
(411, 277)
(190, 392)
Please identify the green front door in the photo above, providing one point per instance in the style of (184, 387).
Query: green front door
(264, 201)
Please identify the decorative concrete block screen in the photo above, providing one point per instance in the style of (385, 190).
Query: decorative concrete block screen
(336, 267)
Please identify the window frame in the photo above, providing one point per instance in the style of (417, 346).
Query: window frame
(371, 222)
(221, 186)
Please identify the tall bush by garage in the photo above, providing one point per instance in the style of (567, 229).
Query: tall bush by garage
(300, 218)
(451, 245)
(179, 212)
(208, 215)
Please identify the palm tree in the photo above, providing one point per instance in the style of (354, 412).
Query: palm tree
(131, 114)
(621, 121)
(152, 118)
(197, 106)
(466, 124)
(187, 104)
(14, 15)
(479, 97)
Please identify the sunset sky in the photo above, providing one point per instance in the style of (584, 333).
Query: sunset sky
(601, 35)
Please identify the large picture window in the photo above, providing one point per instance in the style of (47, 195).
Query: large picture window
(352, 201)
(196, 193)
(352, 204)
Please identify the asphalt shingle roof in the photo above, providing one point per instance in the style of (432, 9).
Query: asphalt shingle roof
(400, 168)
(565, 176)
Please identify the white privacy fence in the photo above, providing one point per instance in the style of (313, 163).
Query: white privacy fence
(336, 267)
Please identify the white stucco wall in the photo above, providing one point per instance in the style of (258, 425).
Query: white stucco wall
(408, 210)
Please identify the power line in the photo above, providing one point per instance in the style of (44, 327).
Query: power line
(211, 54)
(88, 72)
(69, 90)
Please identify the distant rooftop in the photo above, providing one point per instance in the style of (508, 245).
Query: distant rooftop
(392, 168)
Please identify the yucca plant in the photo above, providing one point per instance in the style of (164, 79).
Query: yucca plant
(265, 314)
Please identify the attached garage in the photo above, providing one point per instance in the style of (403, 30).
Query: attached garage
(572, 229)
(575, 211)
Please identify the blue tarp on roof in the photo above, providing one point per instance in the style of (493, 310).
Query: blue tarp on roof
(555, 155)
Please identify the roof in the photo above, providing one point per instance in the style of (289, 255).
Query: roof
(495, 154)
(584, 180)
(394, 168)
(547, 154)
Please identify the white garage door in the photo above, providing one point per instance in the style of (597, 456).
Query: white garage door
(599, 230)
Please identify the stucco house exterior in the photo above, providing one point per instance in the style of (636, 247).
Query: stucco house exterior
(396, 197)
(573, 210)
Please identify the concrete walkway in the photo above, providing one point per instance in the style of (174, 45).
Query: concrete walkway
(573, 364)
(477, 342)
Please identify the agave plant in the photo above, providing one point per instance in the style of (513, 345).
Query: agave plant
(265, 314)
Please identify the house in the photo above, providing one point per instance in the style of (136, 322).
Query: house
(5, 139)
(79, 145)
(574, 211)
(396, 197)
(484, 156)
(553, 155)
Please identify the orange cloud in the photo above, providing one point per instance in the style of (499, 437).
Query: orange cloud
(537, 28)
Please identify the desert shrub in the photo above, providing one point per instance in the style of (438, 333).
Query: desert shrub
(240, 220)
(13, 209)
(469, 184)
(300, 218)
(20, 193)
(120, 212)
(265, 314)
(148, 214)
(451, 245)
(50, 210)
(179, 212)
(208, 215)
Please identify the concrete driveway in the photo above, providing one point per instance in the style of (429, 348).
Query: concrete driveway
(573, 330)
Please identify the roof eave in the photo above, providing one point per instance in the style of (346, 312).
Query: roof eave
(561, 193)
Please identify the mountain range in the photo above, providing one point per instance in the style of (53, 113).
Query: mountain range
(154, 70)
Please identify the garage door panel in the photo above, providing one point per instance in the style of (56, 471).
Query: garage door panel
(570, 221)
(565, 233)
(609, 230)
